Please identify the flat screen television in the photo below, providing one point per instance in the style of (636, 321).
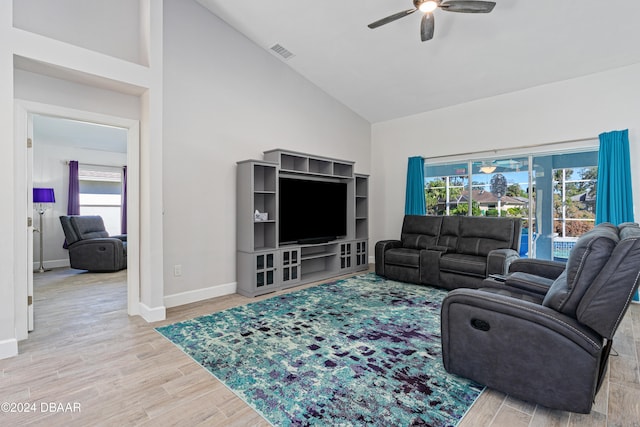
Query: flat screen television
(311, 211)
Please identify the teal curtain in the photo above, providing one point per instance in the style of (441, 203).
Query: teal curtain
(614, 201)
(415, 203)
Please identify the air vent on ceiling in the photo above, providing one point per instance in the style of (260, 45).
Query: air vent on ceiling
(281, 51)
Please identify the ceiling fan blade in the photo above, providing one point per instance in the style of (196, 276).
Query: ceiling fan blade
(391, 18)
(470, 6)
(427, 25)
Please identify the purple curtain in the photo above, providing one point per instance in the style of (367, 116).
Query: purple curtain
(73, 203)
(123, 219)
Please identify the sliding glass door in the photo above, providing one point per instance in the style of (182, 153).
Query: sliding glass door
(566, 188)
(554, 194)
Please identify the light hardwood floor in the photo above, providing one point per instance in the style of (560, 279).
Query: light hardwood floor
(85, 351)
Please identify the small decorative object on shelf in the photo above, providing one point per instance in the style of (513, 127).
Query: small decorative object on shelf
(261, 216)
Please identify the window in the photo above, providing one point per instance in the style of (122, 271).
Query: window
(574, 200)
(101, 194)
(445, 189)
(554, 193)
(574, 206)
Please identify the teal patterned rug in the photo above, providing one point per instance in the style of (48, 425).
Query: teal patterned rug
(363, 351)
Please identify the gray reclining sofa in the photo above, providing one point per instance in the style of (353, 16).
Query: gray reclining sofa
(449, 251)
(545, 333)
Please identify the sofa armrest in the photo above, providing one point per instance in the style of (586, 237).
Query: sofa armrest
(381, 247)
(499, 260)
(121, 237)
(520, 348)
(538, 267)
(430, 266)
(532, 283)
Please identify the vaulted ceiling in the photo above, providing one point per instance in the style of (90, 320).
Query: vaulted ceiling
(387, 72)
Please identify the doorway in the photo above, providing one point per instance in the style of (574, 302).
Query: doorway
(25, 112)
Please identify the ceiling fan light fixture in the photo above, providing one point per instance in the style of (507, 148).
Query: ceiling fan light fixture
(428, 6)
(487, 169)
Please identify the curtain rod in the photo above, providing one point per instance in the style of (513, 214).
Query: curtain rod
(496, 151)
(66, 162)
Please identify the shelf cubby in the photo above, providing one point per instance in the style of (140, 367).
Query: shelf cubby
(343, 169)
(265, 203)
(264, 178)
(362, 188)
(318, 251)
(361, 208)
(362, 228)
(264, 235)
(321, 167)
(319, 267)
(294, 163)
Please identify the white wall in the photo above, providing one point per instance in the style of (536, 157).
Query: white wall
(8, 341)
(572, 109)
(111, 27)
(226, 100)
(48, 90)
(50, 170)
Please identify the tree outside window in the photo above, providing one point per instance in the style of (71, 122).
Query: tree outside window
(574, 200)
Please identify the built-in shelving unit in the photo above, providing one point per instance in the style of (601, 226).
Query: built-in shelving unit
(263, 265)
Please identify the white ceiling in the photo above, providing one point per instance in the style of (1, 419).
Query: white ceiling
(388, 72)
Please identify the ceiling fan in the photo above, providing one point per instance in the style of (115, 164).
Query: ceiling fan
(428, 6)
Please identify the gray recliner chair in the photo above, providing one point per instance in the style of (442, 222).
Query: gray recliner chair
(90, 246)
(545, 333)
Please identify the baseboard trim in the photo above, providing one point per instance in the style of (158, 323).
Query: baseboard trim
(151, 315)
(54, 263)
(8, 348)
(189, 297)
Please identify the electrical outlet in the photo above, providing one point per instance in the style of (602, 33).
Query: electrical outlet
(177, 270)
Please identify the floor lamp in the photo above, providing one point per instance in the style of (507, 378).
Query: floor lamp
(42, 199)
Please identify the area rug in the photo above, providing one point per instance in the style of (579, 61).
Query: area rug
(363, 351)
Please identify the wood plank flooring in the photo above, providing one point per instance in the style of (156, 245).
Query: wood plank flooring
(85, 351)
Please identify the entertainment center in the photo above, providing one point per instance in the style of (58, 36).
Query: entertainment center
(301, 218)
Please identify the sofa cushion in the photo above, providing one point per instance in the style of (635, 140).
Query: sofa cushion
(403, 256)
(420, 232)
(586, 260)
(465, 264)
(418, 241)
(479, 236)
(89, 226)
(449, 232)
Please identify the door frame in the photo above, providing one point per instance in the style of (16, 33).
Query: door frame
(23, 206)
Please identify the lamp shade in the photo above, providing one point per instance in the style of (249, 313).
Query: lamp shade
(43, 195)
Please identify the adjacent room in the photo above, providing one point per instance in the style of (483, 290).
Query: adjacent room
(264, 213)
